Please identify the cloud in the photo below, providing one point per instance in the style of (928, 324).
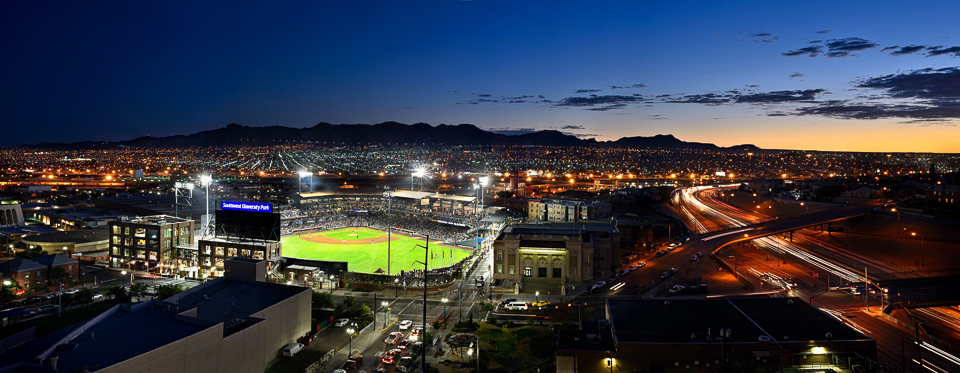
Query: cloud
(936, 51)
(833, 48)
(762, 37)
(813, 51)
(599, 103)
(796, 75)
(627, 86)
(737, 97)
(580, 135)
(922, 94)
(572, 127)
(843, 47)
(910, 49)
(586, 91)
(824, 32)
(806, 95)
(483, 94)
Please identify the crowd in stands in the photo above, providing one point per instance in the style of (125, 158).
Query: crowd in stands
(297, 221)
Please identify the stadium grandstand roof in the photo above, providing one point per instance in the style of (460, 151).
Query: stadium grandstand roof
(451, 197)
(412, 194)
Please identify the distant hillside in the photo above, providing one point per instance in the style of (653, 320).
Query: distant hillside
(390, 133)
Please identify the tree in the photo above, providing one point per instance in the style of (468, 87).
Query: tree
(167, 291)
(84, 296)
(58, 275)
(31, 253)
(138, 288)
(8, 292)
(364, 309)
(349, 302)
(118, 293)
(322, 300)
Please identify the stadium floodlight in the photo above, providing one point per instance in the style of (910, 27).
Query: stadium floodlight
(485, 180)
(205, 180)
(420, 172)
(302, 175)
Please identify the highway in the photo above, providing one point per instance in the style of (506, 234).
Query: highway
(807, 259)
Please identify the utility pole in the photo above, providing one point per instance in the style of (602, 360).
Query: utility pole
(866, 289)
(426, 257)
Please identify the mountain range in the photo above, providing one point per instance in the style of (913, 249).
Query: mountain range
(389, 133)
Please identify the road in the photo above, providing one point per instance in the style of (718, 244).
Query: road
(814, 262)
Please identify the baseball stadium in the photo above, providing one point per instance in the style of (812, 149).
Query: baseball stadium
(363, 230)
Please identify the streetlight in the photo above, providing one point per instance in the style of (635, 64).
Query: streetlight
(444, 300)
(538, 296)
(350, 330)
(396, 288)
(921, 248)
(484, 181)
(383, 304)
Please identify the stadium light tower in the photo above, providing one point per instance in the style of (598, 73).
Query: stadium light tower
(389, 196)
(418, 174)
(483, 182)
(304, 174)
(205, 181)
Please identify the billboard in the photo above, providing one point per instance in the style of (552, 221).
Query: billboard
(247, 224)
(246, 206)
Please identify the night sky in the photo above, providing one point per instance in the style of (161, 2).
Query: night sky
(865, 76)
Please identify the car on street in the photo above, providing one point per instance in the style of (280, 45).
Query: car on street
(674, 271)
(405, 324)
(341, 322)
(577, 304)
(49, 308)
(516, 306)
(339, 371)
(417, 330)
(394, 352)
(693, 258)
(393, 337)
(71, 291)
(404, 344)
(505, 301)
(98, 296)
(355, 356)
(12, 304)
(350, 364)
(665, 275)
(292, 349)
(540, 303)
(696, 279)
(676, 289)
(387, 360)
(35, 299)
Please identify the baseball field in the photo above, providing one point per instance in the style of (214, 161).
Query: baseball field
(365, 250)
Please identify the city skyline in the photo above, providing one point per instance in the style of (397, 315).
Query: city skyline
(879, 79)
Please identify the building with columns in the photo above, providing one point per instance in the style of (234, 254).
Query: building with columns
(555, 253)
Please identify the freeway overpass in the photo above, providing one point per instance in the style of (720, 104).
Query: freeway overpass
(719, 239)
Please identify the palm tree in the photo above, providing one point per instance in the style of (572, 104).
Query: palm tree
(118, 293)
(167, 291)
(84, 296)
(138, 288)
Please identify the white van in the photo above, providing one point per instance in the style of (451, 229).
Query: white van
(292, 349)
(516, 306)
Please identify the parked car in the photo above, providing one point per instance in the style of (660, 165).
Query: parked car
(505, 301)
(676, 289)
(98, 296)
(35, 299)
(49, 308)
(405, 324)
(694, 257)
(674, 270)
(696, 279)
(13, 304)
(341, 322)
(292, 349)
(71, 291)
(665, 275)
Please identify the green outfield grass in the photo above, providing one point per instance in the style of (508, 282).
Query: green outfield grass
(367, 257)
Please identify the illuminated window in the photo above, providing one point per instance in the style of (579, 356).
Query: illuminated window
(231, 252)
(219, 251)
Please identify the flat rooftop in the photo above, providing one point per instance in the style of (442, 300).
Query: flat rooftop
(567, 229)
(157, 220)
(221, 300)
(748, 318)
(75, 236)
(123, 335)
